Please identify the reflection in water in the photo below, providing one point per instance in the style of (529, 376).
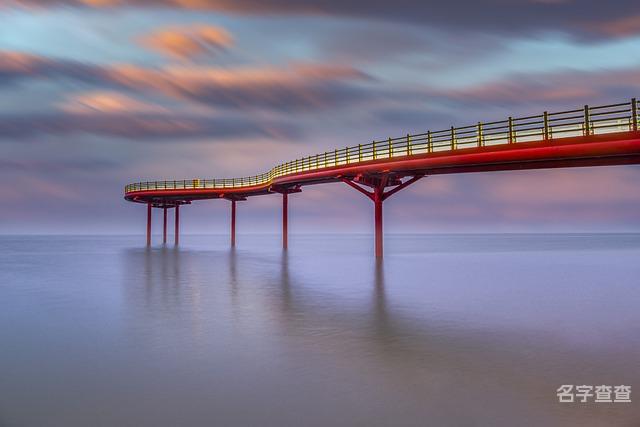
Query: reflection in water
(379, 308)
(400, 346)
(470, 335)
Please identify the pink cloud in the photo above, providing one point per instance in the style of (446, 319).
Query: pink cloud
(623, 27)
(294, 86)
(568, 86)
(188, 42)
(108, 103)
(566, 187)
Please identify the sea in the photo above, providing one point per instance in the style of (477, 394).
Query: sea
(445, 330)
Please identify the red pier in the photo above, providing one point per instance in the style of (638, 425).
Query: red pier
(588, 136)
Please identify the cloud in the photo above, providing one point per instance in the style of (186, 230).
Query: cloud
(566, 87)
(56, 166)
(622, 27)
(576, 187)
(144, 127)
(552, 196)
(16, 66)
(253, 90)
(290, 88)
(188, 42)
(489, 16)
(109, 103)
(363, 42)
(296, 87)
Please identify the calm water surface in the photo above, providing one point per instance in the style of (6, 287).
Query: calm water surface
(450, 330)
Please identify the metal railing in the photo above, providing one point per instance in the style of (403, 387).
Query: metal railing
(546, 126)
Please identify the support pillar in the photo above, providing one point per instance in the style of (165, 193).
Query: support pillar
(285, 211)
(233, 223)
(164, 226)
(377, 201)
(378, 196)
(177, 226)
(148, 224)
(285, 221)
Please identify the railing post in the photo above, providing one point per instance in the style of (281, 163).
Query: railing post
(359, 152)
(634, 114)
(429, 148)
(512, 138)
(453, 138)
(373, 149)
(545, 119)
(408, 145)
(336, 158)
(587, 127)
(480, 134)
(390, 149)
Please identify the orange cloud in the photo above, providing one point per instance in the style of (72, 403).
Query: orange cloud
(189, 42)
(498, 17)
(17, 62)
(288, 88)
(293, 87)
(109, 103)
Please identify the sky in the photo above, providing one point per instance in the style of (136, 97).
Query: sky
(97, 94)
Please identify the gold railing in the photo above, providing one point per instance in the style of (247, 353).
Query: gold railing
(583, 121)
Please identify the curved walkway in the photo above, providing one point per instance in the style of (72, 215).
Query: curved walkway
(587, 136)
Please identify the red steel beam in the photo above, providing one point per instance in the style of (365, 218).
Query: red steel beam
(402, 186)
(352, 184)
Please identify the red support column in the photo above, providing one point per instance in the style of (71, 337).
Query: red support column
(164, 226)
(233, 223)
(285, 221)
(177, 226)
(148, 224)
(378, 196)
(377, 200)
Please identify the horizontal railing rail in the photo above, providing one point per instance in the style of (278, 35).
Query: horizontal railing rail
(546, 126)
